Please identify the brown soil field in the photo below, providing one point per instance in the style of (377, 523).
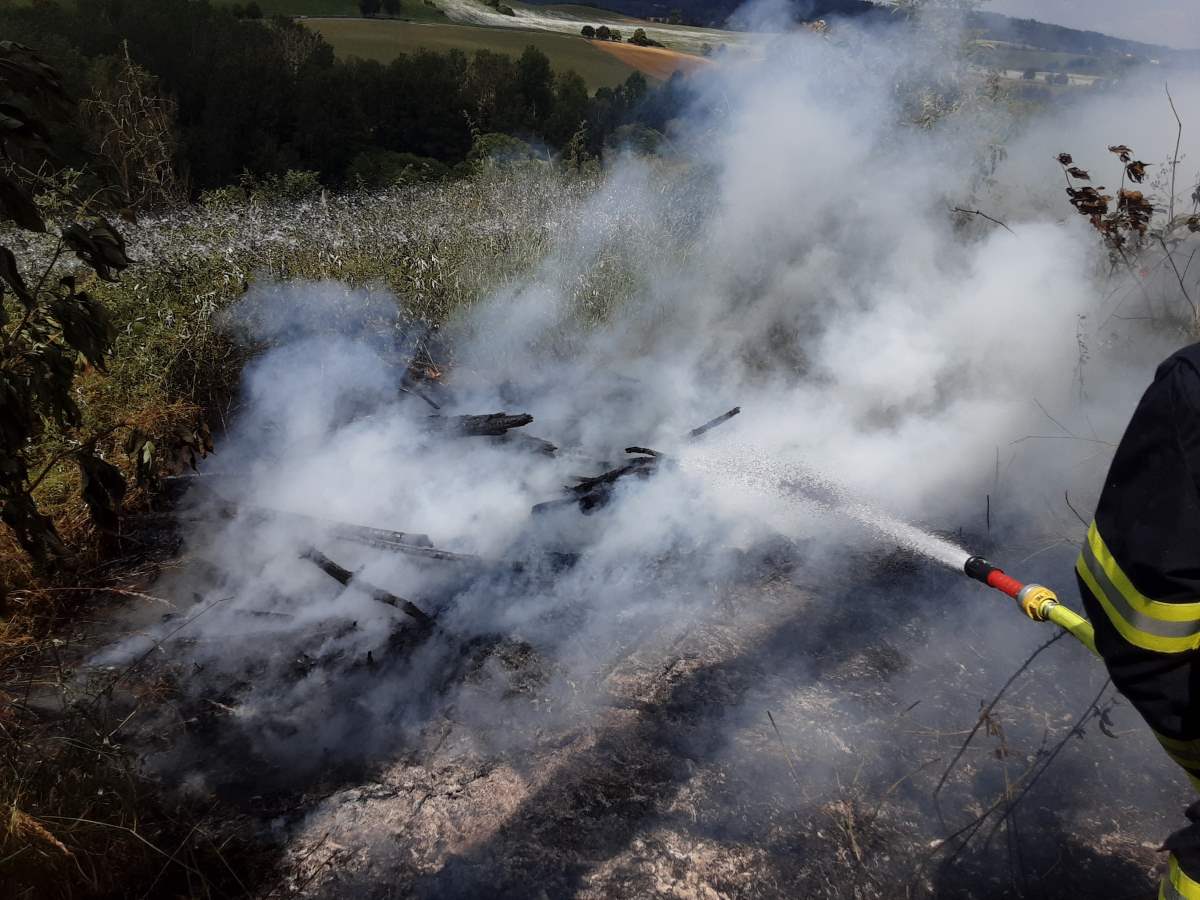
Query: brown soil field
(657, 62)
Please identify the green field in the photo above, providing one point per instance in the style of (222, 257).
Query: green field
(1021, 58)
(384, 40)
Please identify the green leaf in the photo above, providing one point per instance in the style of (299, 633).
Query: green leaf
(16, 123)
(51, 368)
(17, 205)
(103, 488)
(85, 326)
(12, 275)
(23, 72)
(34, 532)
(100, 246)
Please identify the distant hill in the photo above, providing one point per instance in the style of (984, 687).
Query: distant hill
(993, 26)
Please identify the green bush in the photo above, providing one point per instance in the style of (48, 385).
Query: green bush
(384, 168)
(500, 148)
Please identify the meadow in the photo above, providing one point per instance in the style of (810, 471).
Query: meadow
(385, 40)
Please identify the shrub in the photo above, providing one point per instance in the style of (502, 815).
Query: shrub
(500, 148)
(384, 168)
(639, 39)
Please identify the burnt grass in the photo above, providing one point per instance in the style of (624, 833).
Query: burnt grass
(670, 779)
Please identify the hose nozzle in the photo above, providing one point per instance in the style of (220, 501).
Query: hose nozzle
(1034, 599)
(979, 568)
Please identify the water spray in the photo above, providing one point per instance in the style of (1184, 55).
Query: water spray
(1037, 601)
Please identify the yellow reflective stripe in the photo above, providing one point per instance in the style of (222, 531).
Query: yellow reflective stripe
(1149, 624)
(1177, 885)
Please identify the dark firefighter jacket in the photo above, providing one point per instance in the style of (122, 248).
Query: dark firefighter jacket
(1139, 572)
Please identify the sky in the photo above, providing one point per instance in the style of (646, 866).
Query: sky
(1175, 23)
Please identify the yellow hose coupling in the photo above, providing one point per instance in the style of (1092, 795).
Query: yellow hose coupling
(1035, 601)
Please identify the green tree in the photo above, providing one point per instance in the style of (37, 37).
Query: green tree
(571, 102)
(588, 31)
(253, 10)
(391, 7)
(602, 33)
(535, 84)
(614, 34)
(370, 8)
(50, 323)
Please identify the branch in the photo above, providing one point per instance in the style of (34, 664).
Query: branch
(345, 577)
(983, 215)
(1175, 268)
(987, 710)
(1082, 520)
(1175, 158)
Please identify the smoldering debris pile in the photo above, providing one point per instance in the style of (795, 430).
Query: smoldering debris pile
(349, 637)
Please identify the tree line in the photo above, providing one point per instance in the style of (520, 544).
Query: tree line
(263, 96)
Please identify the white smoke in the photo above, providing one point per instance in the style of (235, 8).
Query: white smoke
(799, 258)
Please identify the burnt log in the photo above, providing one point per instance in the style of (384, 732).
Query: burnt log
(488, 425)
(525, 442)
(592, 492)
(713, 423)
(346, 577)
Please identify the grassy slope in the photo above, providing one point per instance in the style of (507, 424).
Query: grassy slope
(385, 40)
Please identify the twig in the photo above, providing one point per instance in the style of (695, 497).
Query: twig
(1175, 268)
(1046, 413)
(1175, 158)
(987, 711)
(1083, 717)
(787, 753)
(1082, 520)
(63, 454)
(1060, 437)
(137, 662)
(895, 784)
(983, 215)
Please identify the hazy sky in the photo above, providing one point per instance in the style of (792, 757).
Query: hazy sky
(1175, 23)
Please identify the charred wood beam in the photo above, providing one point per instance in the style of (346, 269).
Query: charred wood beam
(488, 425)
(592, 492)
(413, 391)
(713, 423)
(362, 533)
(526, 442)
(346, 577)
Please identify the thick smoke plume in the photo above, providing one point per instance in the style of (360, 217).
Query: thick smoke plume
(797, 257)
